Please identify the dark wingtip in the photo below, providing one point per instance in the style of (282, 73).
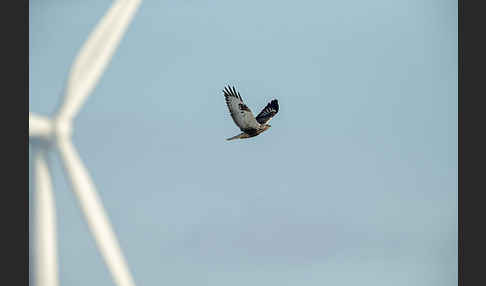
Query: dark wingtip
(230, 90)
(226, 90)
(274, 104)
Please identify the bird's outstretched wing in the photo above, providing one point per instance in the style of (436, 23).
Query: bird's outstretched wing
(268, 112)
(241, 114)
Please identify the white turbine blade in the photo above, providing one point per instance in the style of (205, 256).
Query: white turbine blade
(94, 214)
(45, 225)
(39, 125)
(95, 55)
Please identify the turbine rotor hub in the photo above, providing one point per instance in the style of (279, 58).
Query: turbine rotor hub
(62, 128)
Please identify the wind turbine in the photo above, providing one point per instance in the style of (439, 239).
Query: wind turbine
(46, 133)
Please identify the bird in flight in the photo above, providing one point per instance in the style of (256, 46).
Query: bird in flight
(244, 118)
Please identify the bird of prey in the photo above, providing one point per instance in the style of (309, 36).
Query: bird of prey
(244, 118)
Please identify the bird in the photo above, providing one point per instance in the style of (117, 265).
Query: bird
(243, 117)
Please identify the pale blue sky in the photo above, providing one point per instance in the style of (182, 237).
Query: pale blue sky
(354, 184)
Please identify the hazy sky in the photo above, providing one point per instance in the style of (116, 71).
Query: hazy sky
(354, 184)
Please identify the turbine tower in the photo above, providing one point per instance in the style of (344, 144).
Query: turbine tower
(55, 133)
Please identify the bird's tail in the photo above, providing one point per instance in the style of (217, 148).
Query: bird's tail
(235, 137)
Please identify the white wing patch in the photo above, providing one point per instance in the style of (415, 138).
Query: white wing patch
(241, 114)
